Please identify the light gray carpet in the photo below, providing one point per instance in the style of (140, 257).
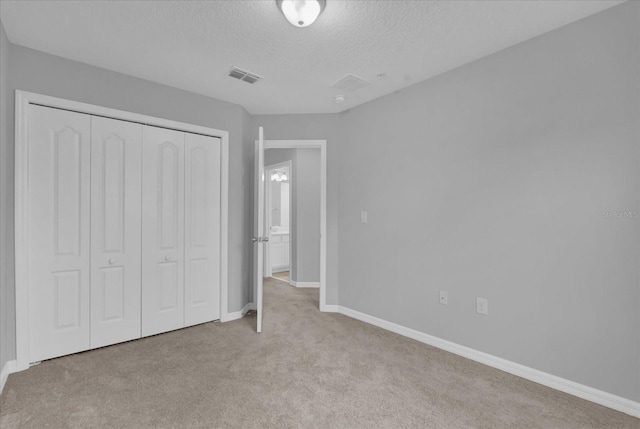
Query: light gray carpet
(306, 370)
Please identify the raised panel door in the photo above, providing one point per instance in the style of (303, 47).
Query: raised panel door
(202, 229)
(162, 230)
(59, 232)
(115, 230)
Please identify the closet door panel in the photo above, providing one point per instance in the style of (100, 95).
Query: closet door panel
(59, 232)
(115, 231)
(202, 229)
(162, 230)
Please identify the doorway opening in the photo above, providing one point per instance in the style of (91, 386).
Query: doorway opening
(261, 227)
(293, 238)
(278, 216)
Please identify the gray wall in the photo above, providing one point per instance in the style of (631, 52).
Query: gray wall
(494, 180)
(305, 217)
(42, 73)
(306, 176)
(7, 318)
(313, 127)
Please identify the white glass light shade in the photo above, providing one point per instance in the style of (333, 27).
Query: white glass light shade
(279, 176)
(301, 13)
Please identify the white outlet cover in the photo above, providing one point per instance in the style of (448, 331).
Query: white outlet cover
(364, 217)
(444, 297)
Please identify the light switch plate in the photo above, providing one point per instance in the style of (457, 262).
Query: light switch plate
(482, 306)
(363, 217)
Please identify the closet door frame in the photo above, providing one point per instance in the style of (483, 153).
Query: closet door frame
(23, 99)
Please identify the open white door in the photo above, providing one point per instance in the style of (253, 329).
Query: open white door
(259, 237)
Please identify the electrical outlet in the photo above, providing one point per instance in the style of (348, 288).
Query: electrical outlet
(444, 297)
(364, 217)
(482, 306)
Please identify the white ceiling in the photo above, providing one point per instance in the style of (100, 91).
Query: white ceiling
(192, 44)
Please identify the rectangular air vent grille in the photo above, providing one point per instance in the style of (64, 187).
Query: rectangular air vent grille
(350, 83)
(243, 75)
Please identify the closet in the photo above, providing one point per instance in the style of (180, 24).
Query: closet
(124, 231)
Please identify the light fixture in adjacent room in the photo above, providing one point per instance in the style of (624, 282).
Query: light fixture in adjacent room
(301, 13)
(279, 176)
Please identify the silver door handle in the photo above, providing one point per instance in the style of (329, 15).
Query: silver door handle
(167, 258)
(112, 261)
(255, 239)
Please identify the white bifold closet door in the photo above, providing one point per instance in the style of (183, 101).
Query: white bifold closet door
(59, 227)
(124, 231)
(180, 230)
(162, 230)
(202, 229)
(116, 150)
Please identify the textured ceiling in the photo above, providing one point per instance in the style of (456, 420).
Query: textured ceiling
(192, 44)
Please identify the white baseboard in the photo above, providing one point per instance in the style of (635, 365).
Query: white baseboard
(235, 315)
(600, 397)
(252, 306)
(8, 368)
(328, 308)
(304, 284)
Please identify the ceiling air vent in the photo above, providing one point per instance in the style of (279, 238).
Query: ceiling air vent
(350, 83)
(243, 75)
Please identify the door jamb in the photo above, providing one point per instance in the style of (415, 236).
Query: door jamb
(22, 101)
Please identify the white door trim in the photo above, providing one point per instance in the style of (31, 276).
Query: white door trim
(322, 145)
(258, 229)
(267, 206)
(23, 100)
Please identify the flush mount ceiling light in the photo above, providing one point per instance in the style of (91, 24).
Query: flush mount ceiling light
(301, 13)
